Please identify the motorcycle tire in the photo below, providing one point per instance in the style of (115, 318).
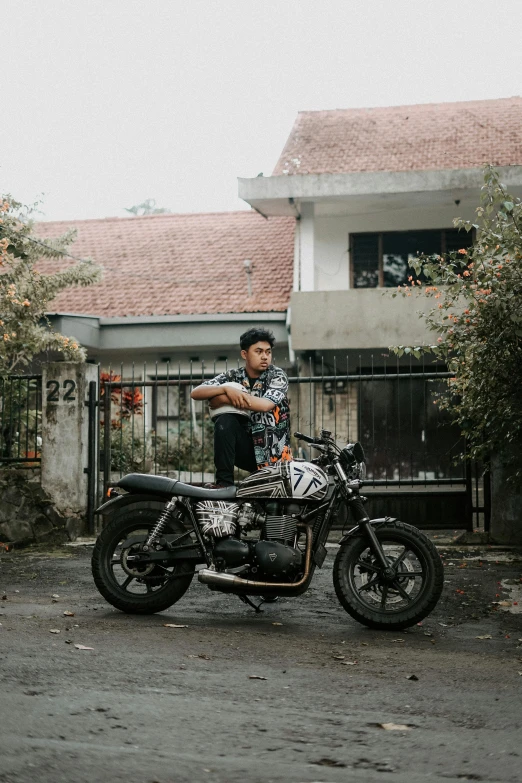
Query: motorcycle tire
(156, 591)
(365, 594)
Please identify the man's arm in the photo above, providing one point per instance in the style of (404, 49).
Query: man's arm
(227, 395)
(259, 403)
(205, 392)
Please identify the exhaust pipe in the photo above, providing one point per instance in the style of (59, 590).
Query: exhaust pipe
(231, 583)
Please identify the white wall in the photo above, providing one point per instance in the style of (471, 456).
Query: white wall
(331, 261)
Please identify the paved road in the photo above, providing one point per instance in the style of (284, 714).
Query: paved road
(156, 704)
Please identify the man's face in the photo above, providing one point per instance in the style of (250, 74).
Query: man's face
(257, 358)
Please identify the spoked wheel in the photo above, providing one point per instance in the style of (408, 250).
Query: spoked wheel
(396, 597)
(124, 582)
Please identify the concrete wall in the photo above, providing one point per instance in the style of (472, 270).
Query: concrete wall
(363, 318)
(331, 256)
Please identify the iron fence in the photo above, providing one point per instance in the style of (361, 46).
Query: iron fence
(20, 419)
(148, 423)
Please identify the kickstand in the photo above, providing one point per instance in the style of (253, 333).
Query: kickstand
(255, 607)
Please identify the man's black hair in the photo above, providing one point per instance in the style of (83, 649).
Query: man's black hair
(255, 335)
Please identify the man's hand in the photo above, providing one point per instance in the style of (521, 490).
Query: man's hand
(239, 399)
(218, 401)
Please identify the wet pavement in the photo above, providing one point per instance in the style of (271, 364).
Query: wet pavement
(299, 693)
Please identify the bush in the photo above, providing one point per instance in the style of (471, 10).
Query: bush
(478, 316)
(25, 294)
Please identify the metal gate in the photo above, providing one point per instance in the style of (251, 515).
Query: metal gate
(20, 420)
(145, 421)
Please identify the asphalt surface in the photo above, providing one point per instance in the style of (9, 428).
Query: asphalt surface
(153, 704)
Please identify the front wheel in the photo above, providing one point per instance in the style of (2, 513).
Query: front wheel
(389, 601)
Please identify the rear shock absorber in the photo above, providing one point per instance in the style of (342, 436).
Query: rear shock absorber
(166, 515)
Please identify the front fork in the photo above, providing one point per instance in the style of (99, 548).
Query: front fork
(360, 516)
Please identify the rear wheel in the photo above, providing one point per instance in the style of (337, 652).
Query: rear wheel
(127, 585)
(389, 602)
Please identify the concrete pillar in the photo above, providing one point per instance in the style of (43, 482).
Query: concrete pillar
(307, 255)
(65, 433)
(506, 499)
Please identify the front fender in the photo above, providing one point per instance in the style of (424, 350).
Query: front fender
(119, 502)
(357, 530)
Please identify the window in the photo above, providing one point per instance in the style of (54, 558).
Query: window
(381, 259)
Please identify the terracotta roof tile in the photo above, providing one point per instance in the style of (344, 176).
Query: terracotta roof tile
(180, 264)
(400, 138)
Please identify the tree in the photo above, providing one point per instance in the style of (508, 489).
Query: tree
(147, 207)
(25, 293)
(478, 316)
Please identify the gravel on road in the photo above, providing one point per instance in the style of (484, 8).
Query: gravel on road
(210, 691)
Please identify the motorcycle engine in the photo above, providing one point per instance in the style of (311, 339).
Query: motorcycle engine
(271, 557)
(217, 518)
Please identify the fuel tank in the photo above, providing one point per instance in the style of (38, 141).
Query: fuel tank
(285, 479)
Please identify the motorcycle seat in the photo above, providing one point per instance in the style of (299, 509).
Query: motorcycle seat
(161, 485)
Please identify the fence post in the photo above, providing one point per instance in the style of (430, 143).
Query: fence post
(65, 434)
(92, 466)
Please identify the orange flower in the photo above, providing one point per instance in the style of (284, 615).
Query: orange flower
(463, 251)
(466, 273)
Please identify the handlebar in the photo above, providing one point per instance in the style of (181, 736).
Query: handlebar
(306, 438)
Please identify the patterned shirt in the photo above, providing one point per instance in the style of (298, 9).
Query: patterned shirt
(270, 429)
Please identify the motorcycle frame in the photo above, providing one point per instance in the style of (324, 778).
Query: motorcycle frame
(199, 552)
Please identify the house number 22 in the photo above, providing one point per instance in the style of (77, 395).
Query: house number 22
(53, 391)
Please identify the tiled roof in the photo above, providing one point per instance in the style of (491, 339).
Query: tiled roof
(400, 138)
(180, 264)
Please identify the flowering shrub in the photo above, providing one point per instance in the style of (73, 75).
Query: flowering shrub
(477, 313)
(127, 400)
(25, 294)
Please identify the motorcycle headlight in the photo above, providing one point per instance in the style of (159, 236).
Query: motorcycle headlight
(353, 461)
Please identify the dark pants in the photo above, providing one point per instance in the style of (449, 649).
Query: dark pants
(232, 446)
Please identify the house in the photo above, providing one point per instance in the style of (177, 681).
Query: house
(177, 289)
(369, 189)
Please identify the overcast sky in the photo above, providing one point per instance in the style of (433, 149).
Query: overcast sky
(108, 102)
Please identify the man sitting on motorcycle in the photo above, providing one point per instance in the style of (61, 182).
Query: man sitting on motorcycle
(250, 410)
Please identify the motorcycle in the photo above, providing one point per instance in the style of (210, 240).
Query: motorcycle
(387, 574)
